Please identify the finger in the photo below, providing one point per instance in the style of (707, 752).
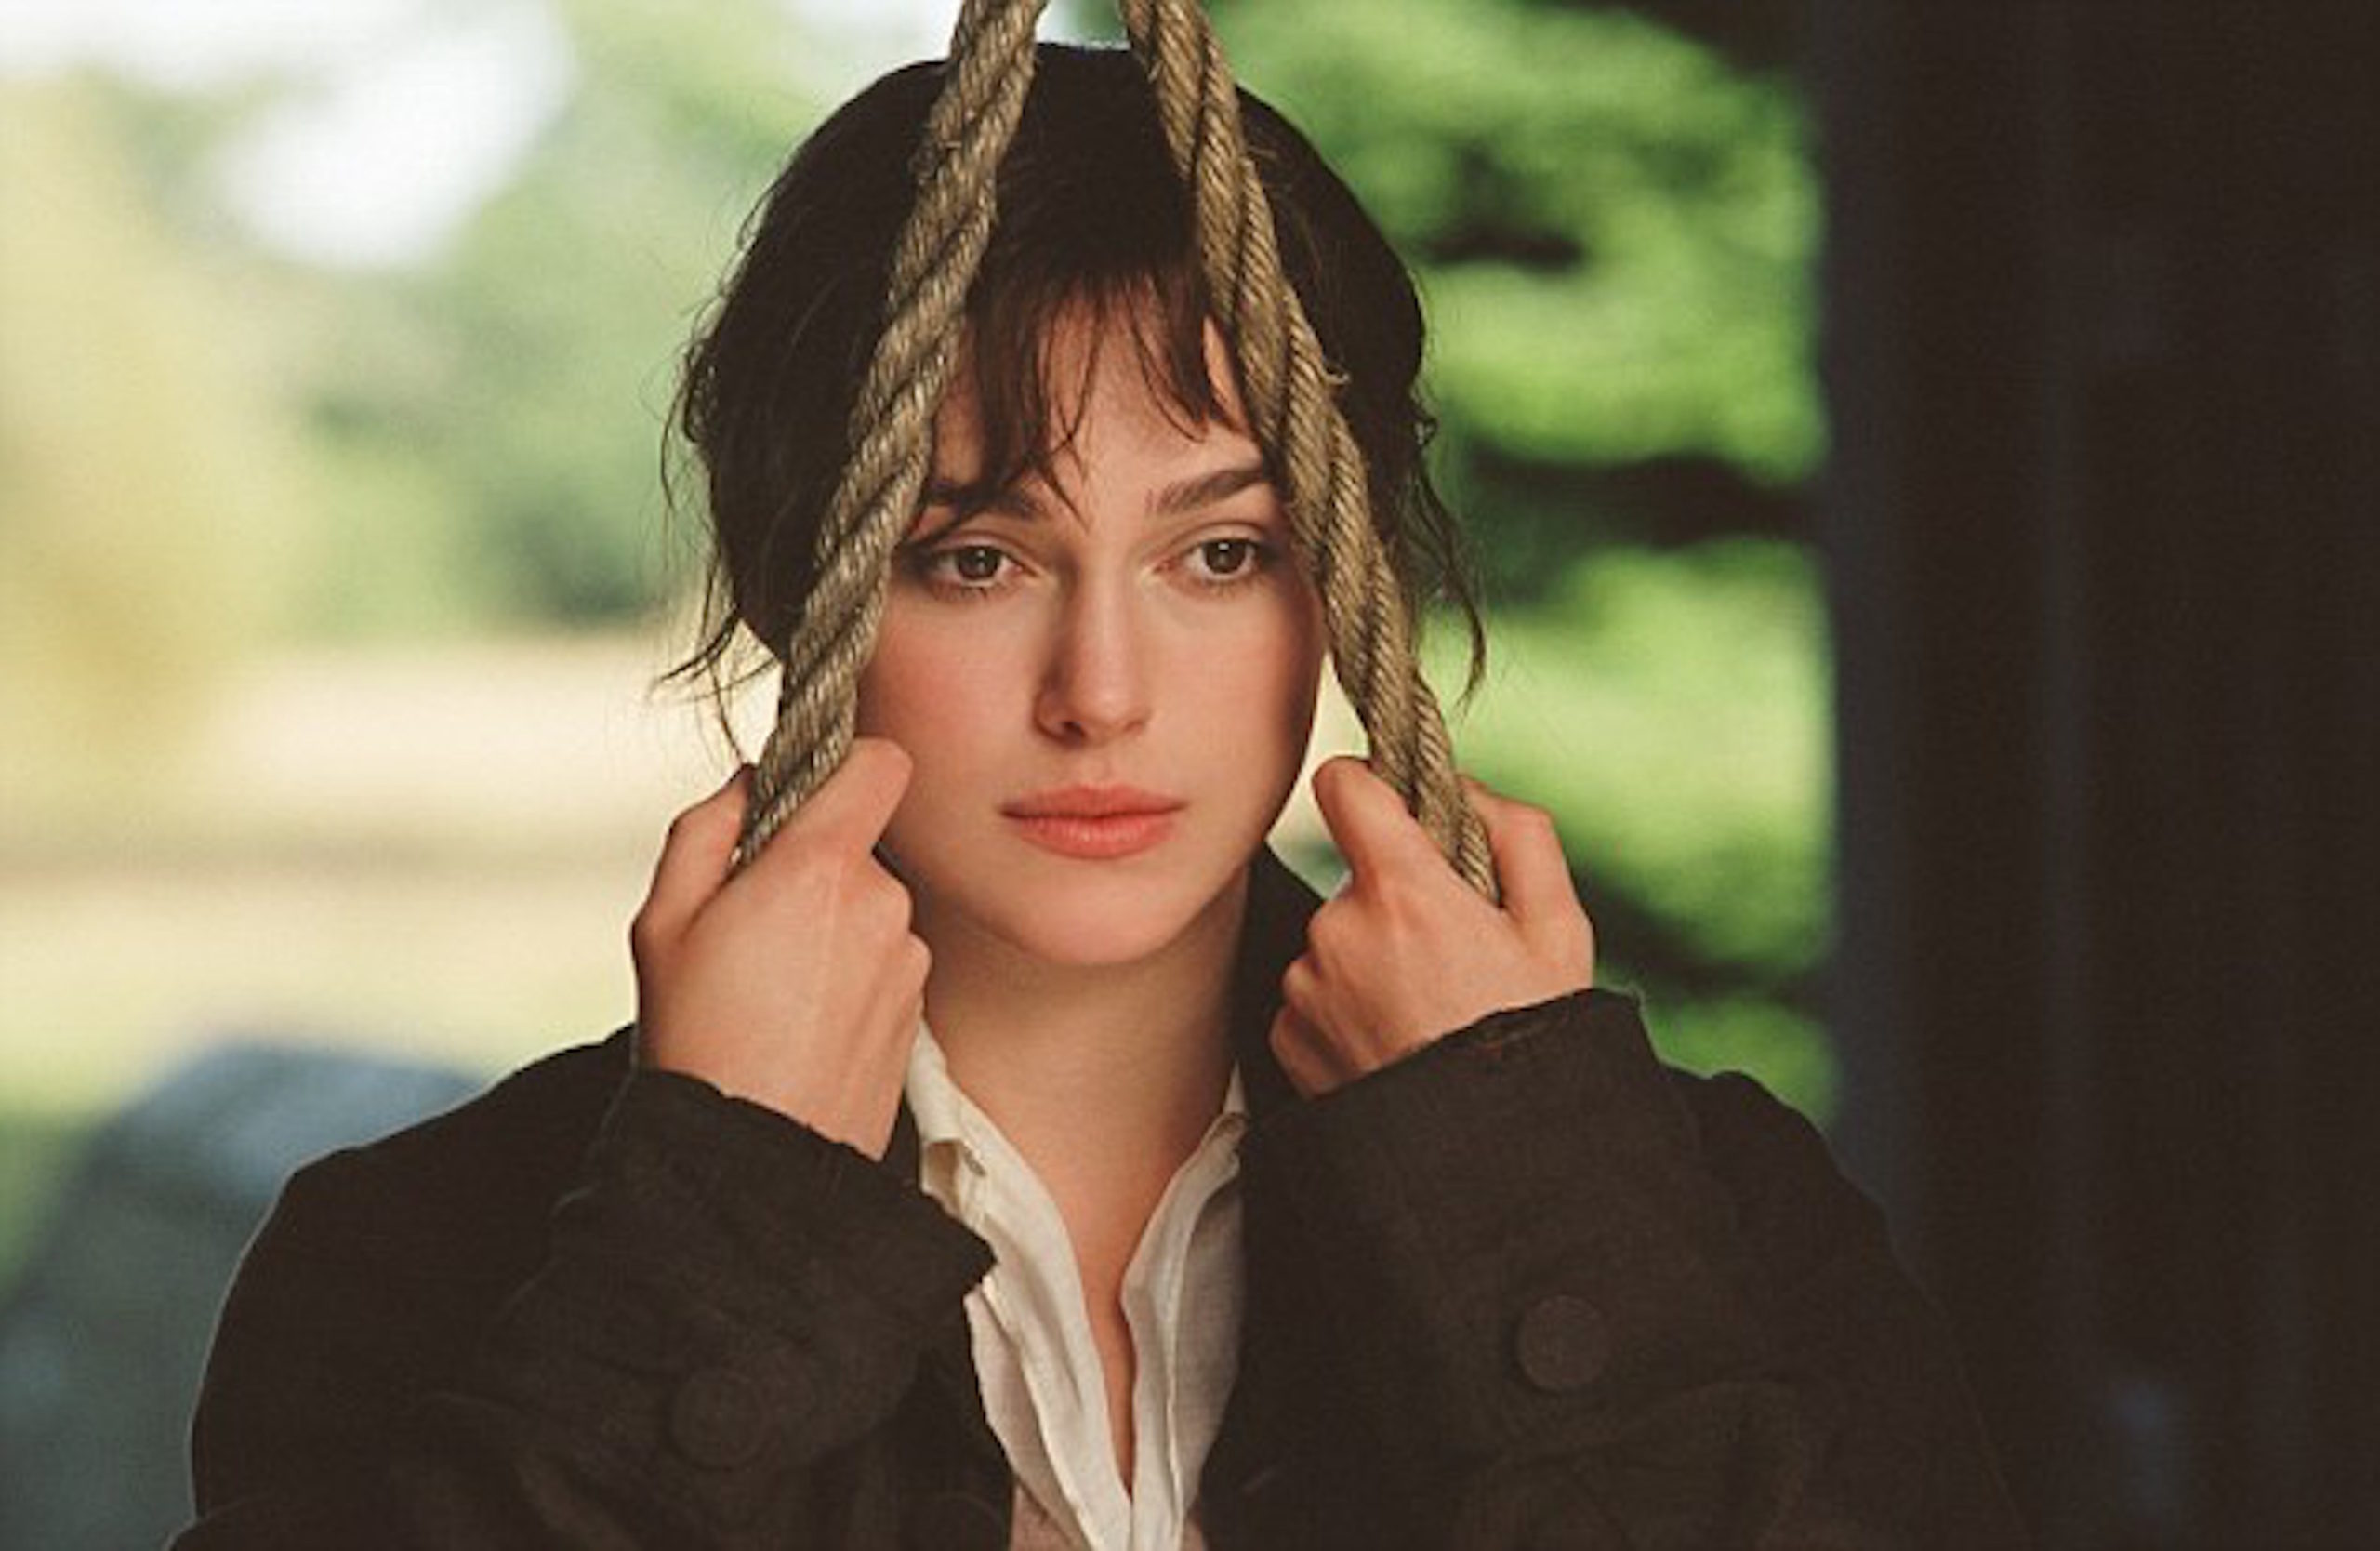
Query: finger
(696, 854)
(1292, 1040)
(1530, 869)
(1368, 820)
(1301, 985)
(853, 805)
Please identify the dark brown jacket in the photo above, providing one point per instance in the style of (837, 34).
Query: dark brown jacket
(1528, 1288)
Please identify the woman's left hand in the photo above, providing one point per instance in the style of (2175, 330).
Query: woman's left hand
(1408, 951)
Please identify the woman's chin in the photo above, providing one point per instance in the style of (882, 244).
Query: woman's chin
(1099, 935)
(1097, 921)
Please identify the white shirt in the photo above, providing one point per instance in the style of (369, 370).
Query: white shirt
(1035, 1356)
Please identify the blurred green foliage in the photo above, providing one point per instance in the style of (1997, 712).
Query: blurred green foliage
(205, 445)
(524, 375)
(1670, 709)
(1612, 226)
(136, 436)
(1673, 705)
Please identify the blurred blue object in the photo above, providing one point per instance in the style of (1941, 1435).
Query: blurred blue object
(103, 1338)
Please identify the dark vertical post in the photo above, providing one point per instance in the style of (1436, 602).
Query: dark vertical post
(2104, 532)
(1933, 534)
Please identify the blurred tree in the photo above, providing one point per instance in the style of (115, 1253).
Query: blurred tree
(482, 427)
(1762, 36)
(1613, 229)
(530, 366)
(151, 502)
(1614, 224)
(1669, 708)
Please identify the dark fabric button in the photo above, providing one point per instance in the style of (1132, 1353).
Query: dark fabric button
(956, 1522)
(1562, 1344)
(719, 1418)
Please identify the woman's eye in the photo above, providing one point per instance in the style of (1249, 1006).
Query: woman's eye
(965, 568)
(975, 563)
(1227, 559)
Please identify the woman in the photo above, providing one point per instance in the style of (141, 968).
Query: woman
(1014, 1153)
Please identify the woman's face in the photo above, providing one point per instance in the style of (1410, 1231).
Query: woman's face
(1106, 685)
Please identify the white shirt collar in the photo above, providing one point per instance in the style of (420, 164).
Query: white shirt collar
(948, 1119)
(1034, 1355)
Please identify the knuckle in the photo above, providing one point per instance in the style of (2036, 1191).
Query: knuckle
(827, 867)
(1528, 819)
(1406, 907)
(889, 756)
(882, 896)
(1328, 936)
(875, 762)
(647, 936)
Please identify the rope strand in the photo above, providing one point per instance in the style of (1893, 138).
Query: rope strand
(941, 242)
(1291, 397)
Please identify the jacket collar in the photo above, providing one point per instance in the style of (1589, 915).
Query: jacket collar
(1271, 938)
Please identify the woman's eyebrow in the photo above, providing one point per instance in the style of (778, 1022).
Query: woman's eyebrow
(971, 500)
(1183, 496)
(1205, 490)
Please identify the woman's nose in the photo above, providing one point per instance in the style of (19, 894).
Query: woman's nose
(1096, 685)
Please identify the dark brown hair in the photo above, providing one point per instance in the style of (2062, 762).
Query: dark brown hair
(1091, 213)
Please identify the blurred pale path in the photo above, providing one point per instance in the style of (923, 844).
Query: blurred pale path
(451, 838)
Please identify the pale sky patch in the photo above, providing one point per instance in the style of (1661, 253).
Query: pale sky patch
(393, 152)
(408, 114)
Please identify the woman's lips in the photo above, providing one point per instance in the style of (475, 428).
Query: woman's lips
(1094, 823)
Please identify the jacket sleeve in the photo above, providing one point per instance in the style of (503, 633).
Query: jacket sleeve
(1574, 1310)
(727, 1299)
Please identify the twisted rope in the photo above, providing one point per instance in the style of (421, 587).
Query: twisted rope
(968, 131)
(1290, 394)
(1289, 390)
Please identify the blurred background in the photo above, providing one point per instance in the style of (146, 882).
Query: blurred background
(1920, 458)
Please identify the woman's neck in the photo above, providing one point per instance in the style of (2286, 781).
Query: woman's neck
(1101, 1077)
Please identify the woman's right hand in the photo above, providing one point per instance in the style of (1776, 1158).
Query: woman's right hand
(796, 982)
